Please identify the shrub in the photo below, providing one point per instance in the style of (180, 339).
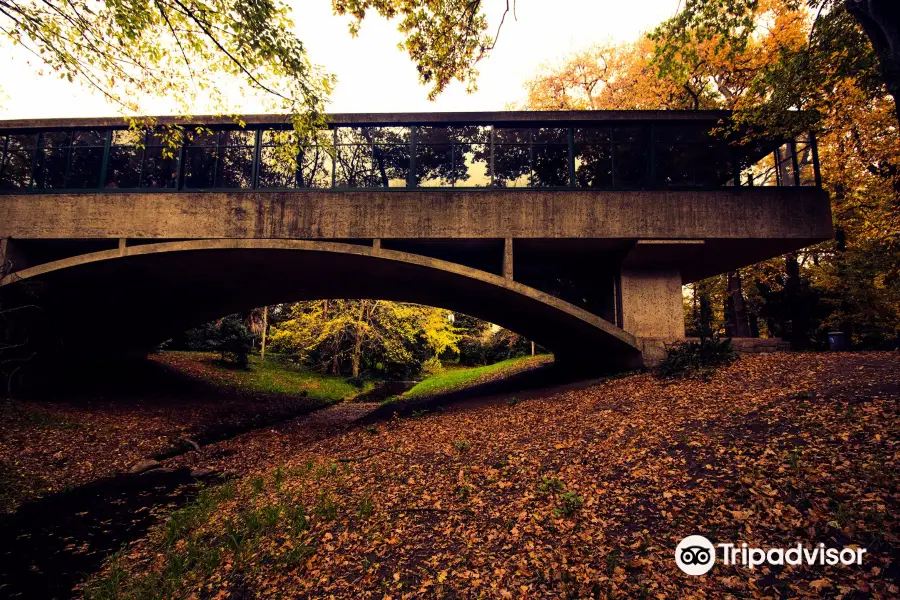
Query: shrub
(690, 358)
(432, 366)
(569, 503)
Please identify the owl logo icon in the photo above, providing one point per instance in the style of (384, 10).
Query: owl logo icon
(695, 555)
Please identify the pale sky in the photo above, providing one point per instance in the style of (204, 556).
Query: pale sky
(373, 74)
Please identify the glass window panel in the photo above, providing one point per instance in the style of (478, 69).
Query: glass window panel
(50, 168)
(512, 136)
(674, 167)
(203, 138)
(559, 135)
(470, 164)
(470, 134)
(593, 165)
(199, 167)
(15, 168)
(763, 171)
(354, 166)
(699, 132)
(277, 169)
(629, 134)
(124, 168)
(629, 165)
(127, 137)
(391, 164)
(85, 167)
(231, 137)
(805, 163)
(89, 138)
(235, 169)
(435, 166)
(272, 137)
(592, 135)
(54, 139)
(433, 136)
(712, 165)
(315, 168)
(351, 135)
(160, 171)
(784, 155)
(386, 135)
(512, 165)
(550, 166)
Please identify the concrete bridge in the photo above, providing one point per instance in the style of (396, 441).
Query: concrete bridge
(576, 229)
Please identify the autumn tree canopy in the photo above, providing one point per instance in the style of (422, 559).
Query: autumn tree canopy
(789, 57)
(190, 50)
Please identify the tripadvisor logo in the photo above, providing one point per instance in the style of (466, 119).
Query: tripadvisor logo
(695, 555)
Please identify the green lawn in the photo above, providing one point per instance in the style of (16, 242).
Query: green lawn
(270, 376)
(456, 379)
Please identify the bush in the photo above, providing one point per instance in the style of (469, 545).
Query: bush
(432, 366)
(691, 358)
(235, 341)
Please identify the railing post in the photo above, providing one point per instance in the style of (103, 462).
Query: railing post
(257, 143)
(794, 163)
(334, 157)
(413, 140)
(571, 157)
(34, 155)
(492, 154)
(179, 181)
(104, 164)
(815, 152)
(651, 157)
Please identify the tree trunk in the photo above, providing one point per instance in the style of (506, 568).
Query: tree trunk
(880, 20)
(705, 316)
(265, 327)
(736, 308)
(357, 342)
(796, 312)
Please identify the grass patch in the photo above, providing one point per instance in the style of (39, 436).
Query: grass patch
(457, 379)
(270, 376)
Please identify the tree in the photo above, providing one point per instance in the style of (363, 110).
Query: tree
(337, 336)
(188, 50)
(846, 38)
(765, 59)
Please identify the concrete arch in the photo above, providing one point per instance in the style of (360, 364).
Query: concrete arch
(151, 291)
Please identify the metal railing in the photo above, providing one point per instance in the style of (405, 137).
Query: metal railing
(546, 155)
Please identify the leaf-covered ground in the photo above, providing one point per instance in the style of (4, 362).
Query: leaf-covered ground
(48, 446)
(583, 494)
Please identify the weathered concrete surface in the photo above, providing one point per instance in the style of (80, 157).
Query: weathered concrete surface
(439, 118)
(796, 214)
(651, 303)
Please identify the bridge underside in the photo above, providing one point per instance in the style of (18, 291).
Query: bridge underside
(132, 298)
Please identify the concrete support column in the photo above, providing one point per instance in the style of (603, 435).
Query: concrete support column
(652, 306)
